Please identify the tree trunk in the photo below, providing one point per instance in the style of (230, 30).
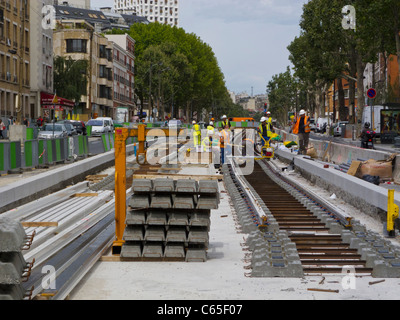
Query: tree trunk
(360, 91)
(342, 110)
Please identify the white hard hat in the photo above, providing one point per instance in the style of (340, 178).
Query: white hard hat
(194, 122)
(268, 112)
(224, 117)
(211, 123)
(302, 112)
(263, 119)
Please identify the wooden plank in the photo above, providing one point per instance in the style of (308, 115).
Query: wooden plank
(327, 150)
(83, 195)
(354, 168)
(37, 224)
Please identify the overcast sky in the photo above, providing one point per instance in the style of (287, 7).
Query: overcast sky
(249, 38)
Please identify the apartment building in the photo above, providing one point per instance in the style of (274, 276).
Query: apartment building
(78, 40)
(14, 58)
(124, 77)
(41, 53)
(162, 11)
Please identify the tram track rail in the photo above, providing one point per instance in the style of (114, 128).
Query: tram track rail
(319, 250)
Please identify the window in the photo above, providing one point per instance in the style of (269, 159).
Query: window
(76, 45)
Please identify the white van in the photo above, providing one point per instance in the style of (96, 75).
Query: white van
(101, 126)
(320, 124)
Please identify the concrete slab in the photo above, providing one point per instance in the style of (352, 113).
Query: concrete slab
(198, 237)
(11, 292)
(208, 203)
(139, 202)
(178, 219)
(200, 219)
(196, 255)
(153, 250)
(163, 185)
(156, 218)
(134, 233)
(185, 202)
(131, 251)
(186, 185)
(161, 202)
(208, 186)
(12, 266)
(154, 233)
(12, 235)
(136, 218)
(174, 251)
(142, 185)
(176, 234)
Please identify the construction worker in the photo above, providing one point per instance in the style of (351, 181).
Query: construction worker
(269, 118)
(224, 140)
(210, 131)
(196, 134)
(302, 128)
(265, 130)
(225, 122)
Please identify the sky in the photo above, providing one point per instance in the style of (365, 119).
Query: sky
(249, 38)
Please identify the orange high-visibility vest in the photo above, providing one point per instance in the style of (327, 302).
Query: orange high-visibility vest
(297, 125)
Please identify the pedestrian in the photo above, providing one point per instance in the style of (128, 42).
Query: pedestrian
(2, 128)
(10, 121)
(302, 129)
(39, 121)
(26, 122)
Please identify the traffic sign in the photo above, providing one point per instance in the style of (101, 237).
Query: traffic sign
(371, 93)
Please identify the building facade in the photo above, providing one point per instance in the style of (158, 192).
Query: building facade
(162, 11)
(14, 59)
(124, 77)
(77, 39)
(41, 54)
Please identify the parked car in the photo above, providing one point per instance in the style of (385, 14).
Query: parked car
(108, 122)
(320, 124)
(99, 126)
(71, 129)
(174, 123)
(338, 128)
(51, 131)
(79, 126)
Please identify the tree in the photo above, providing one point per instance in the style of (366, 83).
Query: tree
(70, 78)
(194, 80)
(282, 93)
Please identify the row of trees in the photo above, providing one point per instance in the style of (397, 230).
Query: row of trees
(176, 71)
(325, 51)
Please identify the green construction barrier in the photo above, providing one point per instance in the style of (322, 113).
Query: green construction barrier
(89, 131)
(29, 134)
(2, 158)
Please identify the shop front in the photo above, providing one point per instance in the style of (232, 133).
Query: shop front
(54, 107)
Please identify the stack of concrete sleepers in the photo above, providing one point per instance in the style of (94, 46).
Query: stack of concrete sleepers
(12, 262)
(169, 220)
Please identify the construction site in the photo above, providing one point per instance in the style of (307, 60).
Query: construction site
(162, 220)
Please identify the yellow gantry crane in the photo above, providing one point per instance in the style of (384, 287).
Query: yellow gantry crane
(121, 135)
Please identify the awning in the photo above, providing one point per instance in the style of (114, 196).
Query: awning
(46, 100)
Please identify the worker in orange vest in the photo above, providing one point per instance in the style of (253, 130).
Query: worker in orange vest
(301, 127)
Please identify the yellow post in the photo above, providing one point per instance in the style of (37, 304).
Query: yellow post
(121, 134)
(392, 214)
